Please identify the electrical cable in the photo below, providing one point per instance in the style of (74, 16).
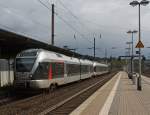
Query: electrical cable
(71, 27)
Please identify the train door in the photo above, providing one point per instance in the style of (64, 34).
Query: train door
(58, 72)
(73, 72)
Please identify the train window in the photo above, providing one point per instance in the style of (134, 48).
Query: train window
(57, 70)
(91, 69)
(85, 69)
(29, 53)
(24, 64)
(73, 69)
(99, 69)
(42, 71)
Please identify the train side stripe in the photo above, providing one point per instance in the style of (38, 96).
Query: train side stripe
(50, 72)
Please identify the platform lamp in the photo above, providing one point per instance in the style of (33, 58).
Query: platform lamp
(136, 3)
(132, 55)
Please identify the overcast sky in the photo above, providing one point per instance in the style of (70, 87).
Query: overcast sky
(85, 19)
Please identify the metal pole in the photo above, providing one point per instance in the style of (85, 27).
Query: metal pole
(94, 47)
(106, 55)
(0, 53)
(126, 62)
(129, 49)
(132, 57)
(139, 87)
(132, 70)
(129, 61)
(52, 33)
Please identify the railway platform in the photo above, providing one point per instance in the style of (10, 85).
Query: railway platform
(118, 97)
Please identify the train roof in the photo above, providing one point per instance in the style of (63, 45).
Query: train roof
(50, 54)
(56, 56)
(100, 64)
(86, 62)
(60, 57)
(28, 53)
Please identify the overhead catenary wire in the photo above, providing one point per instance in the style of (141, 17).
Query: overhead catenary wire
(18, 15)
(82, 36)
(73, 15)
(44, 4)
(7, 27)
(98, 25)
(19, 32)
(72, 27)
(67, 9)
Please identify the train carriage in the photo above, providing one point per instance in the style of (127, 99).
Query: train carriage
(72, 70)
(38, 68)
(41, 68)
(86, 68)
(100, 68)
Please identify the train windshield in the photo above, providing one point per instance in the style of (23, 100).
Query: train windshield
(24, 64)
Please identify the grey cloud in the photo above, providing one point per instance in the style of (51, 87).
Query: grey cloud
(110, 18)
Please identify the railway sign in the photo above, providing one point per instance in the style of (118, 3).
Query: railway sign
(139, 45)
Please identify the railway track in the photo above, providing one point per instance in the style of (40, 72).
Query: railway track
(68, 105)
(65, 94)
(6, 100)
(16, 97)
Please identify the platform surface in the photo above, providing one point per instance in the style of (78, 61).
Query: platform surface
(118, 97)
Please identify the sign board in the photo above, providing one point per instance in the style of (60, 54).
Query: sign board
(139, 45)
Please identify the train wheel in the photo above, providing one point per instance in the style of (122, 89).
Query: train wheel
(44, 91)
(52, 88)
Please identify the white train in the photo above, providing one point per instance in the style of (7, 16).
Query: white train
(40, 69)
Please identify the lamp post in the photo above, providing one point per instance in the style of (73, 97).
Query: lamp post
(129, 48)
(128, 54)
(132, 55)
(136, 3)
